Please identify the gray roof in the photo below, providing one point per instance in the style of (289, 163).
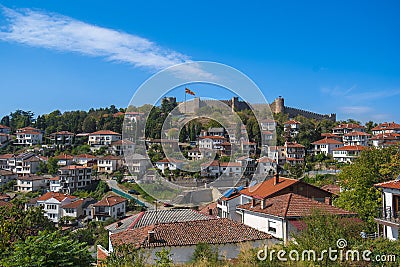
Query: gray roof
(216, 129)
(151, 217)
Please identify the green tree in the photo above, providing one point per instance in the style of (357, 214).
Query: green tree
(357, 181)
(163, 258)
(52, 166)
(205, 253)
(48, 249)
(89, 125)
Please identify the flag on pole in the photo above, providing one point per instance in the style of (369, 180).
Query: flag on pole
(188, 91)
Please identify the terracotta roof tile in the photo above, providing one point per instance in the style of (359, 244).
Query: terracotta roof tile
(213, 231)
(104, 132)
(57, 195)
(390, 184)
(350, 148)
(293, 205)
(110, 201)
(327, 141)
(267, 188)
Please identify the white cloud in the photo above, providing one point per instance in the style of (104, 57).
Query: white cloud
(61, 33)
(355, 110)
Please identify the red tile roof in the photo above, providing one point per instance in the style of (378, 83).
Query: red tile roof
(74, 204)
(104, 132)
(350, 148)
(230, 164)
(327, 141)
(292, 205)
(4, 127)
(57, 195)
(333, 188)
(122, 142)
(189, 233)
(266, 159)
(292, 122)
(64, 156)
(31, 178)
(348, 126)
(292, 144)
(110, 201)
(267, 188)
(85, 156)
(387, 126)
(357, 133)
(5, 204)
(62, 133)
(73, 167)
(212, 137)
(390, 184)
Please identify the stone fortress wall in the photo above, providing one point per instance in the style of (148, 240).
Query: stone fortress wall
(278, 106)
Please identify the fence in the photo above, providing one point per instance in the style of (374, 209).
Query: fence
(126, 195)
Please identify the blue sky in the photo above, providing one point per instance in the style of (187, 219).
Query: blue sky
(324, 56)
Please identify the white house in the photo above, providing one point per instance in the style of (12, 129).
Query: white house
(64, 159)
(281, 215)
(195, 154)
(345, 128)
(137, 163)
(28, 136)
(211, 142)
(356, 138)
(294, 153)
(347, 154)
(54, 184)
(292, 127)
(172, 164)
(30, 183)
(385, 139)
(52, 203)
(326, 146)
(103, 138)
(386, 128)
(74, 177)
(108, 164)
(388, 219)
(227, 204)
(76, 209)
(231, 169)
(109, 207)
(216, 131)
(119, 147)
(85, 159)
(63, 138)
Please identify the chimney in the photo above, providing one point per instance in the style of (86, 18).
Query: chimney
(328, 200)
(150, 236)
(263, 203)
(276, 178)
(253, 202)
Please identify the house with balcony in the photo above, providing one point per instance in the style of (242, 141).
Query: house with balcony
(62, 138)
(64, 159)
(30, 183)
(109, 164)
(195, 154)
(248, 147)
(74, 177)
(119, 147)
(266, 166)
(54, 184)
(216, 131)
(385, 140)
(294, 153)
(292, 127)
(356, 138)
(7, 162)
(388, 219)
(102, 138)
(28, 136)
(172, 164)
(268, 125)
(231, 169)
(26, 163)
(76, 209)
(326, 146)
(86, 160)
(249, 165)
(211, 142)
(347, 154)
(52, 202)
(283, 215)
(109, 207)
(346, 128)
(386, 128)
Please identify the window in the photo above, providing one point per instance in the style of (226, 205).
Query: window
(272, 227)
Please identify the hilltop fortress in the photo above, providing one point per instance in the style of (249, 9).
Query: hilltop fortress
(278, 106)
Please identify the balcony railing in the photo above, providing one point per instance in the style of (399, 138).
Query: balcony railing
(388, 214)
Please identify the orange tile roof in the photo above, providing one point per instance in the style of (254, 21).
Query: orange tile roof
(74, 204)
(350, 148)
(104, 132)
(357, 133)
(268, 188)
(390, 184)
(57, 195)
(189, 233)
(4, 127)
(64, 156)
(292, 122)
(333, 188)
(73, 167)
(348, 126)
(293, 205)
(62, 133)
(7, 156)
(230, 164)
(85, 156)
(266, 159)
(327, 141)
(110, 201)
(387, 126)
(292, 144)
(211, 137)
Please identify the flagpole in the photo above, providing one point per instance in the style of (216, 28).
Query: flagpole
(185, 102)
